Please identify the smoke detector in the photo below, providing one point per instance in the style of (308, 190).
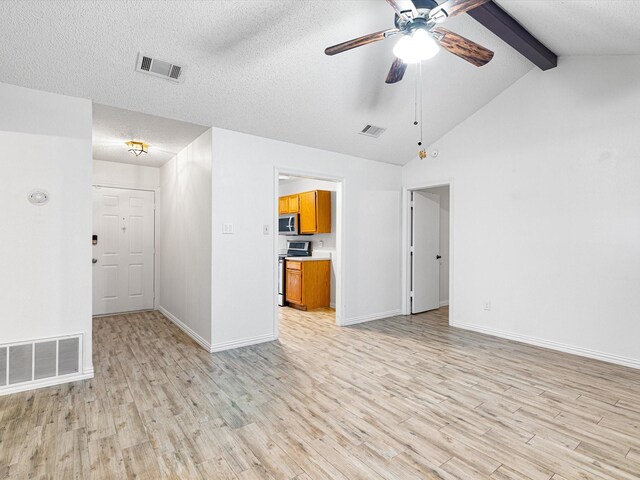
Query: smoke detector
(160, 68)
(38, 197)
(372, 131)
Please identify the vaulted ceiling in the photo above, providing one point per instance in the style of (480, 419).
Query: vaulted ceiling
(259, 67)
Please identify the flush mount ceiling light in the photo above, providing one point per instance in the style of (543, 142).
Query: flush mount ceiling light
(137, 148)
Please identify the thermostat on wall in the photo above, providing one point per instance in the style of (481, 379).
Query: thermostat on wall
(38, 197)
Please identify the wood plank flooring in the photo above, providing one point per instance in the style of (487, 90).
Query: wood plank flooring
(401, 398)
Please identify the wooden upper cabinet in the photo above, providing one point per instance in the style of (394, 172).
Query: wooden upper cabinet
(288, 204)
(314, 209)
(294, 203)
(315, 212)
(308, 222)
(283, 205)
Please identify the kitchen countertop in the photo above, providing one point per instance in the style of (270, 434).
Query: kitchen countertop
(307, 259)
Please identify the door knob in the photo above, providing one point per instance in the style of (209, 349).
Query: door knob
(94, 260)
(438, 257)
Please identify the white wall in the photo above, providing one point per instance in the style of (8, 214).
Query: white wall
(45, 277)
(115, 174)
(546, 209)
(443, 192)
(329, 240)
(244, 193)
(185, 234)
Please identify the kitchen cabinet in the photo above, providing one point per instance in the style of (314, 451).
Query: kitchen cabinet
(288, 204)
(315, 212)
(283, 205)
(308, 284)
(294, 203)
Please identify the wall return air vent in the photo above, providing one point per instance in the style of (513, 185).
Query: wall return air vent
(160, 68)
(35, 363)
(372, 131)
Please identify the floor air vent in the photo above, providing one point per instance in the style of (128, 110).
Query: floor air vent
(39, 360)
(372, 131)
(160, 68)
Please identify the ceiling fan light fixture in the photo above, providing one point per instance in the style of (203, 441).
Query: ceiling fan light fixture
(137, 148)
(416, 47)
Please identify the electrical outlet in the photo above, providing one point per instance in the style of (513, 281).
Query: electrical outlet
(265, 229)
(227, 228)
(486, 306)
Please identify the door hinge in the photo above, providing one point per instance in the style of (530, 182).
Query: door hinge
(411, 294)
(411, 249)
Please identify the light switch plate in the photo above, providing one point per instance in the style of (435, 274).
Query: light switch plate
(265, 229)
(227, 228)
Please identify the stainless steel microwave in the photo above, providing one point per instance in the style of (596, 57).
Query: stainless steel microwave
(288, 224)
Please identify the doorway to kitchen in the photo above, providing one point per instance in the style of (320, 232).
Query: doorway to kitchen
(427, 235)
(307, 248)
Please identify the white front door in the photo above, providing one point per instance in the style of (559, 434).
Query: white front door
(425, 258)
(123, 250)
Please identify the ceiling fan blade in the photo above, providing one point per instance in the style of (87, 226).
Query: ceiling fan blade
(401, 14)
(463, 47)
(360, 41)
(451, 8)
(398, 67)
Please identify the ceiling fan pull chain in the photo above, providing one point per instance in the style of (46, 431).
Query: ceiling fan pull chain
(415, 99)
(420, 88)
(422, 153)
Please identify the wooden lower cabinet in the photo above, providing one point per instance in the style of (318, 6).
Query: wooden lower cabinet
(308, 284)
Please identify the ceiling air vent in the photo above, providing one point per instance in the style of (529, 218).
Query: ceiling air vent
(372, 131)
(160, 68)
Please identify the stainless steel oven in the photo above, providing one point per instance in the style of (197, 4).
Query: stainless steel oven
(288, 224)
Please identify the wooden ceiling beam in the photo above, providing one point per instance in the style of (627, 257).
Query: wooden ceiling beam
(508, 29)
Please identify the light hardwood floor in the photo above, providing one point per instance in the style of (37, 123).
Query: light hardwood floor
(406, 397)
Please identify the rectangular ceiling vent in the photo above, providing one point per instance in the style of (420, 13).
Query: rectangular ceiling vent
(372, 131)
(160, 68)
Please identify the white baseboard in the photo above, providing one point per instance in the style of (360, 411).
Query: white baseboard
(185, 328)
(444, 303)
(244, 342)
(562, 347)
(46, 382)
(370, 317)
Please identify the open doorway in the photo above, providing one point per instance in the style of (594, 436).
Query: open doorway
(428, 241)
(307, 248)
(132, 152)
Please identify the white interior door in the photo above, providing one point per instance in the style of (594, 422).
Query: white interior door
(123, 257)
(425, 242)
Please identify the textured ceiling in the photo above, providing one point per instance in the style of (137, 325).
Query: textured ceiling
(581, 27)
(258, 66)
(112, 127)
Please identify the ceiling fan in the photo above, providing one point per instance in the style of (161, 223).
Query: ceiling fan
(421, 36)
